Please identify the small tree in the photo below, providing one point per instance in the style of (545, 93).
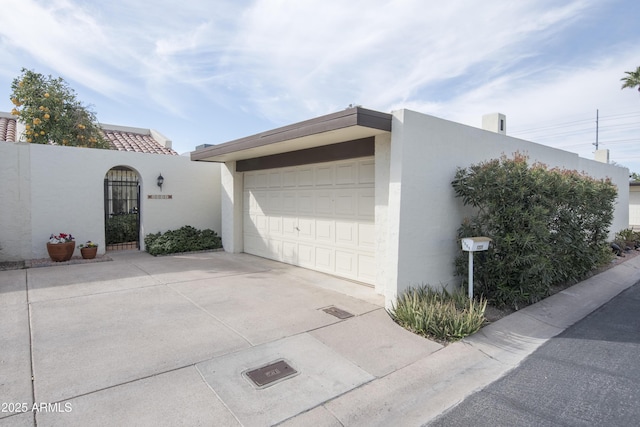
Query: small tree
(51, 114)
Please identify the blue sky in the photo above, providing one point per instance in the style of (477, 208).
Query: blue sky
(209, 71)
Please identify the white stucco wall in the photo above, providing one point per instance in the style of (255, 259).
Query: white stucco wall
(232, 208)
(65, 188)
(382, 230)
(15, 201)
(423, 211)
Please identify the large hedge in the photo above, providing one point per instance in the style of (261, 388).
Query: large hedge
(549, 226)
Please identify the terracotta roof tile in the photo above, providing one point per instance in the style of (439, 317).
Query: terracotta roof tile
(7, 129)
(136, 142)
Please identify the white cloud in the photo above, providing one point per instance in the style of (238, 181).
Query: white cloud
(64, 37)
(315, 55)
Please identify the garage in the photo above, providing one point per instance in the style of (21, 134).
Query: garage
(318, 216)
(305, 194)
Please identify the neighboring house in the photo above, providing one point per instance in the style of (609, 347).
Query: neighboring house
(634, 205)
(121, 138)
(367, 195)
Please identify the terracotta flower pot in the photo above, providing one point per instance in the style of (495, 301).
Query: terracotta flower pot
(89, 253)
(59, 252)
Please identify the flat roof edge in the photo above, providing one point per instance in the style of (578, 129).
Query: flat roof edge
(355, 116)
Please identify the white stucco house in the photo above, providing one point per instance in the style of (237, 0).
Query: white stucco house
(367, 195)
(360, 194)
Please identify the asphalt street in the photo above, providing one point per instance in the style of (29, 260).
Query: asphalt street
(589, 375)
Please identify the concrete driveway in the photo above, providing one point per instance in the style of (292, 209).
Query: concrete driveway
(168, 341)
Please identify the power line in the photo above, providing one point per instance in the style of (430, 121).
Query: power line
(560, 125)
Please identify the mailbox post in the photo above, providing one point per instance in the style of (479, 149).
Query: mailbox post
(471, 245)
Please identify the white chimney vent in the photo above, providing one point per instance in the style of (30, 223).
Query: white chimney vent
(602, 156)
(495, 122)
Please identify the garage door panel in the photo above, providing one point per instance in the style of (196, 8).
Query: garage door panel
(346, 202)
(290, 252)
(275, 179)
(262, 224)
(346, 263)
(306, 228)
(366, 268)
(305, 177)
(255, 245)
(275, 226)
(261, 180)
(324, 176)
(306, 255)
(346, 234)
(316, 216)
(346, 173)
(250, 224)
(325, 231)
(275, 248)
(366, 172)
(324, 203)
(324, 259)
(275, 202)
(289, 227)
(305, 203)
(289, 202)
(366, 235)
(289, 178)
(260, 202)
(366, 203)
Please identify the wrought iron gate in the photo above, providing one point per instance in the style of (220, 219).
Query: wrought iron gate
(122, 209)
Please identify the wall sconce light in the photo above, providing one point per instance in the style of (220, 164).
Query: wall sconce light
(160, 181)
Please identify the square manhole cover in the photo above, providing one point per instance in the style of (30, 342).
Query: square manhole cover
(340, 314)
(270, 373)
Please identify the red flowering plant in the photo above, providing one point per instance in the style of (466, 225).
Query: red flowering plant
(61, 238)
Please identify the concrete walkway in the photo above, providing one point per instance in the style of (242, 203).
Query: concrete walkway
(150, 341)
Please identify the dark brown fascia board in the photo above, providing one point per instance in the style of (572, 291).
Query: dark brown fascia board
(356, 116)
(326, 153)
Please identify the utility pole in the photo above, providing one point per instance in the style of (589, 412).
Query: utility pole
(597, 117)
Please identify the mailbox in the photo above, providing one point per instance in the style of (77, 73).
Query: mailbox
(475, 244)
(471, 245)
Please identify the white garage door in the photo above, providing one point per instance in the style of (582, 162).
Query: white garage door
(634, 209)
(318, 216)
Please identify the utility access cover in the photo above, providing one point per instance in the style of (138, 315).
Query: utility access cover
(340, 314)
(270, 373)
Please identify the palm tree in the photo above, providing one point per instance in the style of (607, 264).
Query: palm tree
(632, 80)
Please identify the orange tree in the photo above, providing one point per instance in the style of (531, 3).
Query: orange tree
(51, 114)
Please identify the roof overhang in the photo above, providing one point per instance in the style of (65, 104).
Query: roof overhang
(347, 125)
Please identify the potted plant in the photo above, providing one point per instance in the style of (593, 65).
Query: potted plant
(60, 247)
(88, 250)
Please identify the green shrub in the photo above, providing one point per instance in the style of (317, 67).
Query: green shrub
(438, 314)
(548, 227)
(185, 239)
(121, 228)
(627, 238)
